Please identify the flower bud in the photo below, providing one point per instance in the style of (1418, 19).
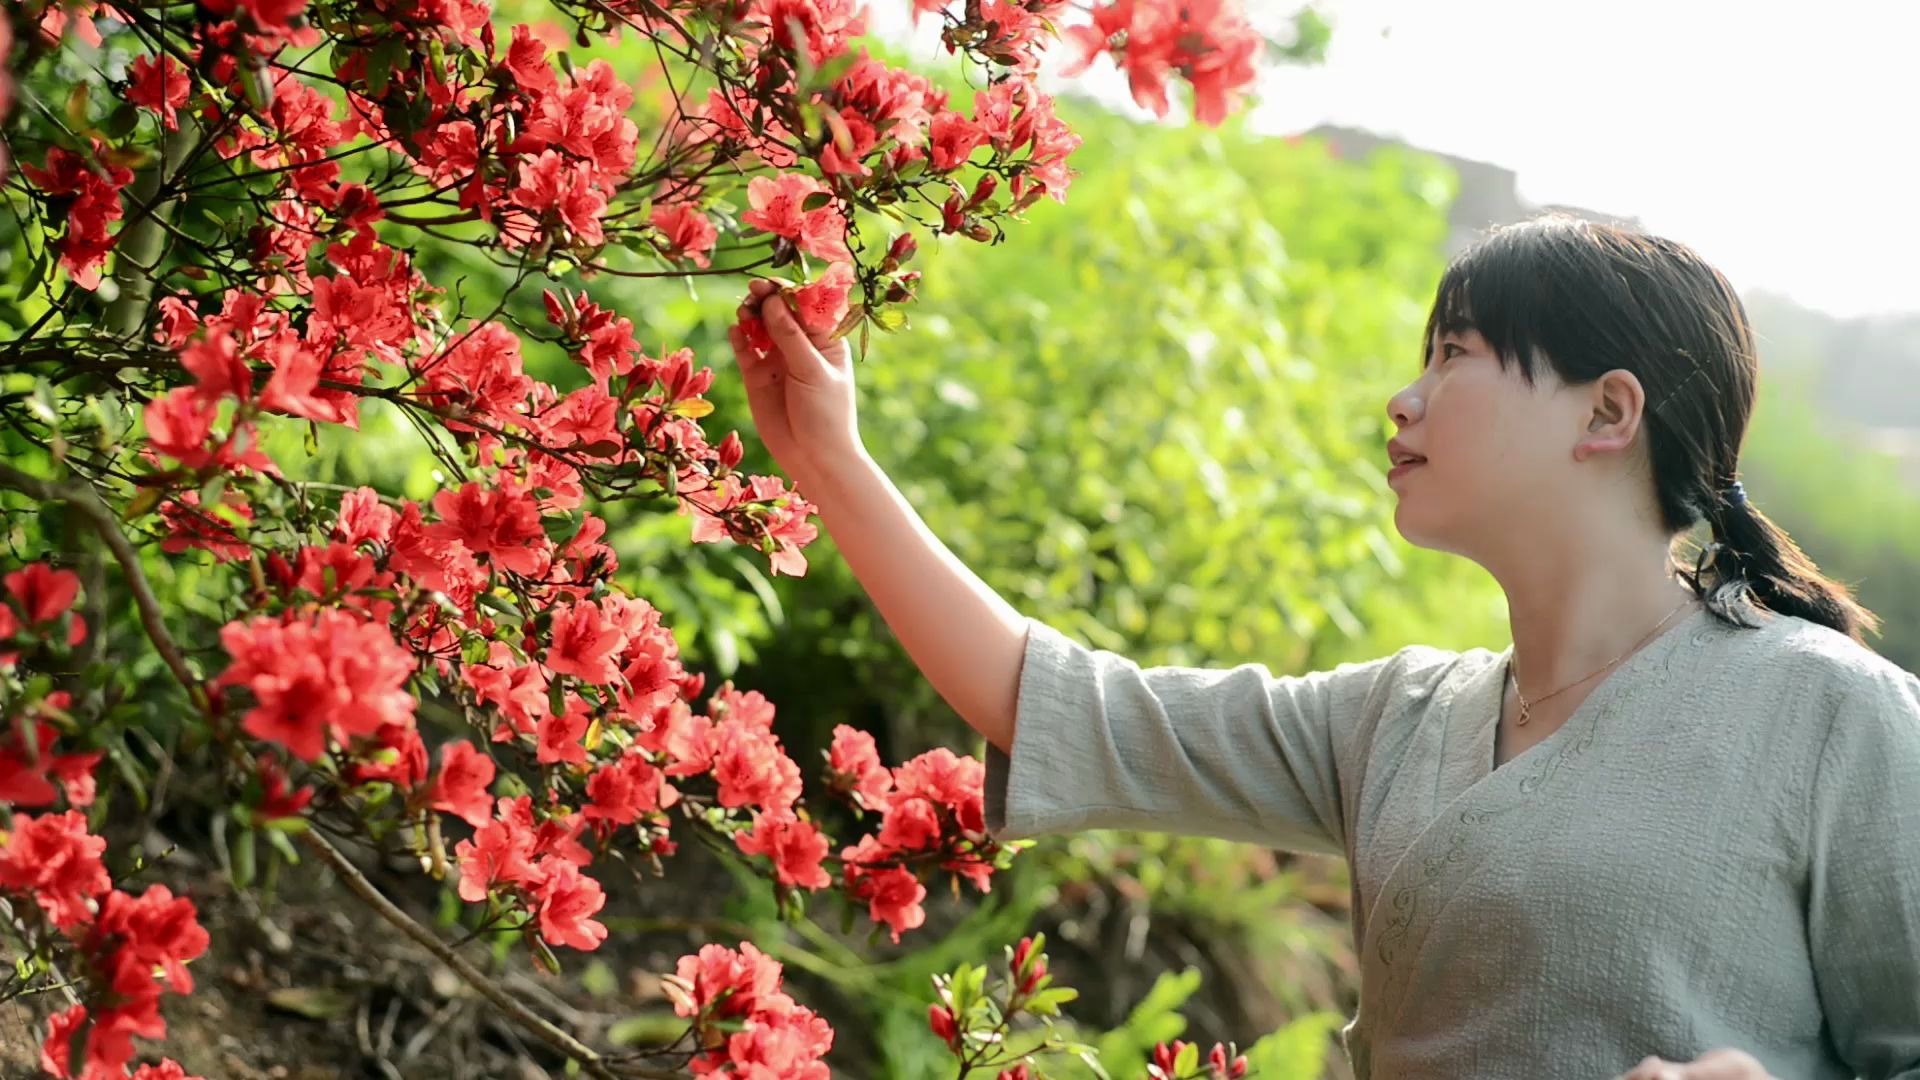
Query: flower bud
(730, 450)
(940, 1019)
(983, 190)
(279, 571)
(903, 249)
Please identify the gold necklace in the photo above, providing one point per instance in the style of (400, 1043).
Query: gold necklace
(1526, 708)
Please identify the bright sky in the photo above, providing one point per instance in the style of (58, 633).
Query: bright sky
(1777, 139)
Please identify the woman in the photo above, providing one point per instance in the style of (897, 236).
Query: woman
(1672, 831)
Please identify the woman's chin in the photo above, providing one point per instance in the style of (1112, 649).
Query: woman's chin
(1412, 528)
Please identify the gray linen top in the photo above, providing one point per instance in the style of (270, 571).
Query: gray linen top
(1720, 847)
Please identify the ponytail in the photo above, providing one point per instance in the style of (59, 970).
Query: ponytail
(1752, 563)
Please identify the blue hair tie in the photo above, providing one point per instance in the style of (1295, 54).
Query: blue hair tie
(1736, 495)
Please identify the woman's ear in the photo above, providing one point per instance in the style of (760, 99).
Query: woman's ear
(1613, 404)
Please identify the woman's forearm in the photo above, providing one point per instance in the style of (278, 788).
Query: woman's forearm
(966, 639)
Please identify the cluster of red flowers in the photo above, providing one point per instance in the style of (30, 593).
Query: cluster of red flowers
(51, 864)
(931, 808)
(37, 603)
(772, 1035)
(1207, 42)
(591, 689)
(495, 593)
(92, 201)
(129, 940)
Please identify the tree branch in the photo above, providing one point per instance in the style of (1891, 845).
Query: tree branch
(83, 498)
(142, 243)
(357, 883)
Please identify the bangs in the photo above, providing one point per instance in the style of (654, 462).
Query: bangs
(1499, 288)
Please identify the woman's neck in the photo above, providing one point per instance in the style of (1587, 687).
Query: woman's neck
(1570, 620)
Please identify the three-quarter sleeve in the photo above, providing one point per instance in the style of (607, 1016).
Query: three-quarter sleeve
(1863, 899)
(1237, 753)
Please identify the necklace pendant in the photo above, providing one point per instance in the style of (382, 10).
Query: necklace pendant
(1524, 717)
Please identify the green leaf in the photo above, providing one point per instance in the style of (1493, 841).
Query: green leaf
(498, 603)
(726, 650)
(598, 979)
(1297, 1050)
(762, 588)
(121, 121)
(382, 61)
(1086, 1054)
(1047, 1002)
(543, 957)
(36, 270)
(77, 100)
(277, 837)
(244, 852)
(282, 827)
(659, 1027)
(561, 529)
(312, 1002)
(128, 768)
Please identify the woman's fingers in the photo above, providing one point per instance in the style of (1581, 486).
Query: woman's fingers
(1727, 1064)
(757, 291)
(1653, 1068)
(755, 370)
(803, 361)
(1722, 1064)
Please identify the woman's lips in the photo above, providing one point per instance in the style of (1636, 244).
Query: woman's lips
(1403, 469)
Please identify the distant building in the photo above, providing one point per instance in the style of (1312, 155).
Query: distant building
(1489, 194)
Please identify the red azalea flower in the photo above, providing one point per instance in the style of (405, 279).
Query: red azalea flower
(796, 848)
(619, 793)
(160, 84)
(564, 898)
(336, 674)
(460, 788)
(53, 859)
(43, 593)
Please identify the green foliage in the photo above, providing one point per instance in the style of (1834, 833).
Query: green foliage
(1847, 507)
(1295, 1052)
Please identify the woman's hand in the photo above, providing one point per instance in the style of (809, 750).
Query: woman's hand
(800, 389)
(1712, 1065)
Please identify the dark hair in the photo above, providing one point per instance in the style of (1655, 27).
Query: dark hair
(1589, 298)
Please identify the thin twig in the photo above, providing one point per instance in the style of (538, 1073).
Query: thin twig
(357, 883)
(83, 498)
(62, 983)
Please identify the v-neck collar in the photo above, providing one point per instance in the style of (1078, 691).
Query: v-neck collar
(1475, 708)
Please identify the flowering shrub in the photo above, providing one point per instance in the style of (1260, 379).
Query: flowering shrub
(215, 199)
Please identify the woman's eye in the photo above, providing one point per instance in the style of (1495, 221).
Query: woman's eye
(1447, 350)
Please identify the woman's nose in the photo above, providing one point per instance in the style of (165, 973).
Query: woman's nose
(1405, 407)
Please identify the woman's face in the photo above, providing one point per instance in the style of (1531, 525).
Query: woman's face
(1497, 451)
